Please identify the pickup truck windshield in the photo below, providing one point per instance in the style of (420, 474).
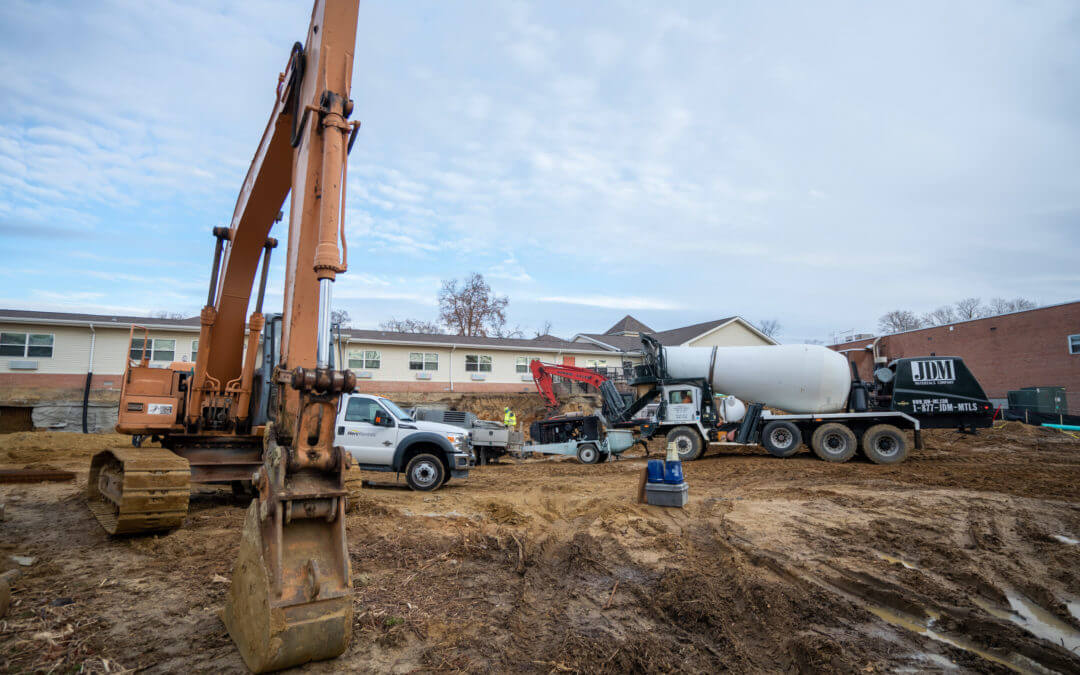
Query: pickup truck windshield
(395, 411)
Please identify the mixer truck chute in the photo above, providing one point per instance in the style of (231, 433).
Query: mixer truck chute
(701, 393)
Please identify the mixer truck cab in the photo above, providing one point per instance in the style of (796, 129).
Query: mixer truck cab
(380, 436)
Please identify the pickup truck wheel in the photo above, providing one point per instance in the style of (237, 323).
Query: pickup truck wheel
(781, 439)
(425, 472)
(884, 444)
(834, 442)
(587, 453)
(687, 442)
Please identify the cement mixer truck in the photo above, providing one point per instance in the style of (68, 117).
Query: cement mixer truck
(784, 395)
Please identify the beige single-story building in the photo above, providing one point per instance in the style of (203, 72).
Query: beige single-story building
(50, 362)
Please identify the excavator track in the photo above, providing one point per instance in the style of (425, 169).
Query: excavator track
(138, 490)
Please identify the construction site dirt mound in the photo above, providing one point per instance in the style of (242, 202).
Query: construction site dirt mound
(65, 450)
(967, 556)
(527, 407)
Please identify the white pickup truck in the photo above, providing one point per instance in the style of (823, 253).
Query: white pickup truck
(382, 437)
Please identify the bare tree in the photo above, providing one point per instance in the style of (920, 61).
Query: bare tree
(471, 308)
(898, 320)
(340, 317)
(162, 314)
(544, 329)
(770, 327)
(1003, 306)
(411, 326)
(504, 332)
(969, 308)
(940, 316)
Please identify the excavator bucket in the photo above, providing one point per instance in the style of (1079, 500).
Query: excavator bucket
(291, 596)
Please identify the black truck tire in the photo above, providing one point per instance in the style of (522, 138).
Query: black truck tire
(688, 443)
(425, 472)
(884, 444)
(781, 439)
(587, 453)
(834, 442)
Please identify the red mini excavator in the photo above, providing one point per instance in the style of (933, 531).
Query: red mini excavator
(613, 406)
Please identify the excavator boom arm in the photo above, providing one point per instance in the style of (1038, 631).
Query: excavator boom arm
(291, 595)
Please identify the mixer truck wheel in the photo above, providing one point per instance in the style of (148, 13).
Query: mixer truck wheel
(781, 439)
(834, 442)
(687, 442)
(884, 444)
(587, 453)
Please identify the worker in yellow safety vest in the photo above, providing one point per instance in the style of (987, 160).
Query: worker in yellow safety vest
(509, 418)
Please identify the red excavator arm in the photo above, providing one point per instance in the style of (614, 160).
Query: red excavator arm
(543, 372)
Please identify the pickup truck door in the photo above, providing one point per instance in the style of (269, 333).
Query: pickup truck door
(366, 441)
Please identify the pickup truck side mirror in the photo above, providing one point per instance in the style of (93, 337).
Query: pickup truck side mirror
(383, 421)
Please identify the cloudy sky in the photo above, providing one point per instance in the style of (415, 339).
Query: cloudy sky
(818, 163)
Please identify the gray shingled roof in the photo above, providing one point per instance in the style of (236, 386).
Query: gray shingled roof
(622, 343)
(31, 315)
(668, 338)
(628, 324)
(677, 336)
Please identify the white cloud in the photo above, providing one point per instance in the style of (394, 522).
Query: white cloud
(613, 302)
(509, 269)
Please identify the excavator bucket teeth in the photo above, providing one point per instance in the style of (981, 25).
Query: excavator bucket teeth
(138, 490)
(309, 616)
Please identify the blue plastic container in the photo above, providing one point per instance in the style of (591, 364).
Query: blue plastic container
(673, 473)
(656, 471)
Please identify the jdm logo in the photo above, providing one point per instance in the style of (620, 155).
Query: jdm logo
(938, 371)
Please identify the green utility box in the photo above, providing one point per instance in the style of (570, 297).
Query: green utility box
(1047, 400)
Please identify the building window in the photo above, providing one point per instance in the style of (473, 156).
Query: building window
(26, 344)
(423, 361)
(194, 350)
(366, 360)
(158, 349)
(523, 362)
(1074, 344)
(476, 363)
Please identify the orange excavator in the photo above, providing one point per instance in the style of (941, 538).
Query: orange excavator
(291, 595)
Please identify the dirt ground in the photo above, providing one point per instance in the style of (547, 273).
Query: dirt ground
(964, 558)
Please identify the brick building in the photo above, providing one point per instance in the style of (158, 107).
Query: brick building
(1034, 348)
